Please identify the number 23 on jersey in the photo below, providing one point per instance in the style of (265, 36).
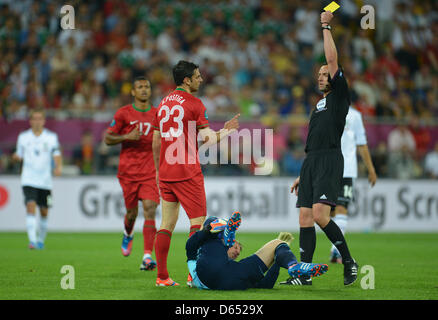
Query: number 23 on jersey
(168, 113)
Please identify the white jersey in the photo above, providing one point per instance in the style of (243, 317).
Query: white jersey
(37, 153)
(353, 136)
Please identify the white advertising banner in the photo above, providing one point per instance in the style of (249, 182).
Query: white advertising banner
(95, 203)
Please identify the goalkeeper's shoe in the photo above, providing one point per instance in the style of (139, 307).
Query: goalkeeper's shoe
(307, 270)
(127, 245)
(166, 283)
(231, 228)
(32, 245)
(350, 272)
(148, 264)
(303, 281)
(218, 225)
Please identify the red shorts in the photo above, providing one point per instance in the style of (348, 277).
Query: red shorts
(190, 193)
(133, 191)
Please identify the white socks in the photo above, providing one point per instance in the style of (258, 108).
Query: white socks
(341, 220)
(43, 229)
(31, 226)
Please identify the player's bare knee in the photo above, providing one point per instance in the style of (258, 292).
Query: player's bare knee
(31, 207)
(306, 219)
(44, 212)
(149, 210)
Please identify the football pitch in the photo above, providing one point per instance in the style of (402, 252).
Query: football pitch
(400, 267)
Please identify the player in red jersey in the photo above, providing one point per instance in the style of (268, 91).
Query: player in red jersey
(132, 127)
(180, 117)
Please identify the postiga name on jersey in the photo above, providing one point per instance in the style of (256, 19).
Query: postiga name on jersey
(321, 106)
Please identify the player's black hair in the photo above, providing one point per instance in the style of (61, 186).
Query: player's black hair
(182, 70)
(138, 78)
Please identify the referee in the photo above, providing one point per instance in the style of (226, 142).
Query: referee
(320, 178)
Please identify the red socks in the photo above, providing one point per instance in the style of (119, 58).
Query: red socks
(162, 244)
(149, 231)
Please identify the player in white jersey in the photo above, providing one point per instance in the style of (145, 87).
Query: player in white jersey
(38, 148)
(353, 139)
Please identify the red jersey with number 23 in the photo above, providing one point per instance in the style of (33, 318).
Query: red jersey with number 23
(136, 158)
(179, 117)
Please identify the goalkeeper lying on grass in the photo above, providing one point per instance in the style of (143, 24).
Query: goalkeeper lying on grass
(211, 254)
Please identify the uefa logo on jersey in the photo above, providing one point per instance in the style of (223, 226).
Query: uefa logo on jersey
(321, 106)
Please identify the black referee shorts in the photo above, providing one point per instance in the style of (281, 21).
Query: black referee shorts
(320, 178)
(42, 197)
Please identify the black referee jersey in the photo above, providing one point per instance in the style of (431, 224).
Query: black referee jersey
(328, 117)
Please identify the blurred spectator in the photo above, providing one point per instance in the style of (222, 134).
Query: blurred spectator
(431, 163)
(401, 164)
(380, 159)
(294, 156)
(402, 147)
(401, 139)
(421, 136)
(83, 154)
(259, 58)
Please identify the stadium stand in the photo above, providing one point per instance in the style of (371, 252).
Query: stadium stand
(257, 57)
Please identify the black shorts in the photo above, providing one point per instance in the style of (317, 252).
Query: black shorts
(42, 197)
(320, 178)
(345, 195)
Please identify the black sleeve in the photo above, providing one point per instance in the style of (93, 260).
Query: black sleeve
(195, 242)
(339, 85)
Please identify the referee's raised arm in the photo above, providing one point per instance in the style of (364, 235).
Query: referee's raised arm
(331, 54)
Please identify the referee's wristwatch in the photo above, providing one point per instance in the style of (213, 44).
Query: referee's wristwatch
(327, 26)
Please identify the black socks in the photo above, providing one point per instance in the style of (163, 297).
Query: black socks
(337, 238)
(307, 244)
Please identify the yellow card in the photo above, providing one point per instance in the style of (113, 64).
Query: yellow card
(332, 7)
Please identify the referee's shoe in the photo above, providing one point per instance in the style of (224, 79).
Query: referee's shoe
(350, 272)
(303, 281)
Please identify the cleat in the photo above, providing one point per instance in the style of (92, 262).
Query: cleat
(127, 245)
(40, 245)
(189, 280)
(32, 246)
(148, 264)
(307, 270)
(335, 257)
(231, 228)
(350, 272)
(218, 225)
(166, 283)
(304, 281)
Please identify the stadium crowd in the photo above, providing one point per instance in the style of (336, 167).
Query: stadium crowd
(257, 58)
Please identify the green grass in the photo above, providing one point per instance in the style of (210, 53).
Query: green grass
(405, 268)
